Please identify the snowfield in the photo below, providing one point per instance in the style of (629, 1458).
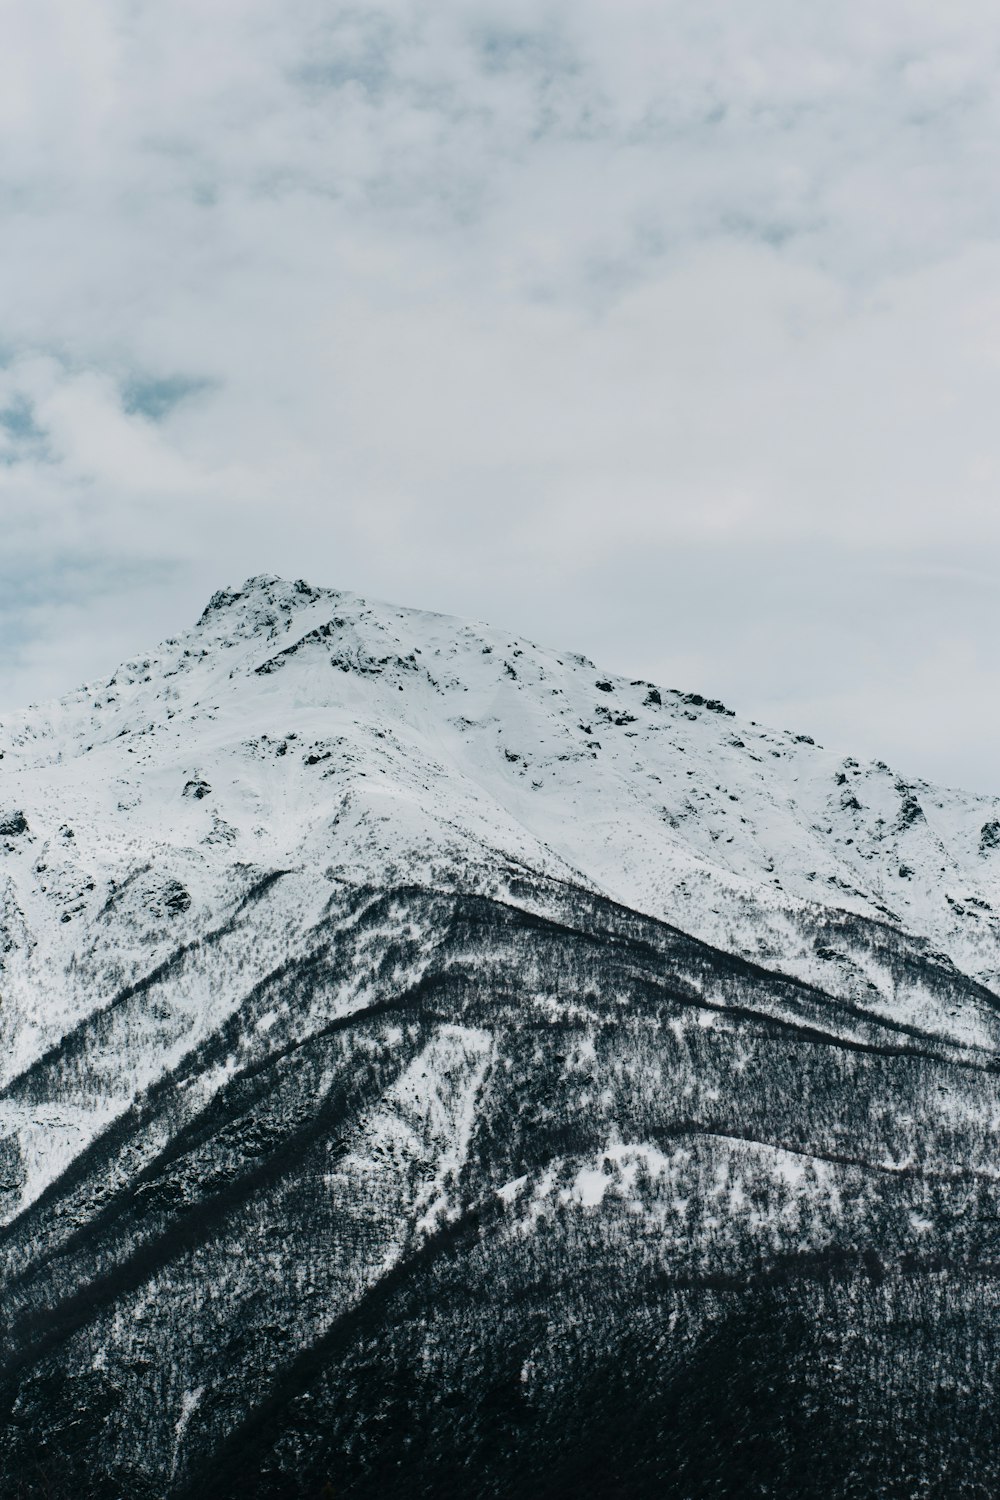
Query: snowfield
(306, 729)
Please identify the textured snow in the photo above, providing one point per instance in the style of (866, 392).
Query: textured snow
(189, 1404)
(200, 808)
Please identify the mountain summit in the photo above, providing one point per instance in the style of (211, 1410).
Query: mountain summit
(430, 1061)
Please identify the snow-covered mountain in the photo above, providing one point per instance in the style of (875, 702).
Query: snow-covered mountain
(353, 958)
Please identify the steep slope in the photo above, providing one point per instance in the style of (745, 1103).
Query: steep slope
(429, 1061)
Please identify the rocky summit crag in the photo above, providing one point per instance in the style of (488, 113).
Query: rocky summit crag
(434, 1067)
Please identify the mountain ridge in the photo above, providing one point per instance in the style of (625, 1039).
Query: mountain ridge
(349, 954)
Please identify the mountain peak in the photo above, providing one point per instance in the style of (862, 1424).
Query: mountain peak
(365, 735)
(259, 602)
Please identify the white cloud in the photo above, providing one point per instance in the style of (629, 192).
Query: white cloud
(502, 308)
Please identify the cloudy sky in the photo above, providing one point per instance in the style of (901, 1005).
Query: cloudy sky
(667, 330)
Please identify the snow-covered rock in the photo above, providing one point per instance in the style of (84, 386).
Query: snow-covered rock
(306, 729)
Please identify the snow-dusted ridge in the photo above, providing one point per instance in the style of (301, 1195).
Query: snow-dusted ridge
(329, 928)
(308, 728)
(310, 723)
(304, 729)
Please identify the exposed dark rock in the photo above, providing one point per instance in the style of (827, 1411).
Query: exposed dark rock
(989, 836)
(910, 811)
(175, 898)
(714, 705)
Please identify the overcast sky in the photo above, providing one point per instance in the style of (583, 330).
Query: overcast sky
(665, 330)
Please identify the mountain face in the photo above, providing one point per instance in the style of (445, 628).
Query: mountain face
(432, 1066)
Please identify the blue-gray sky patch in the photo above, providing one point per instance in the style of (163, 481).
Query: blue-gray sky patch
(157, 397)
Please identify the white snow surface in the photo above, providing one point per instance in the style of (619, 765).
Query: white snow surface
(342, 741)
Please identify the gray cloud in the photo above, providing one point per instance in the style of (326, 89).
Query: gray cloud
(669, 332)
